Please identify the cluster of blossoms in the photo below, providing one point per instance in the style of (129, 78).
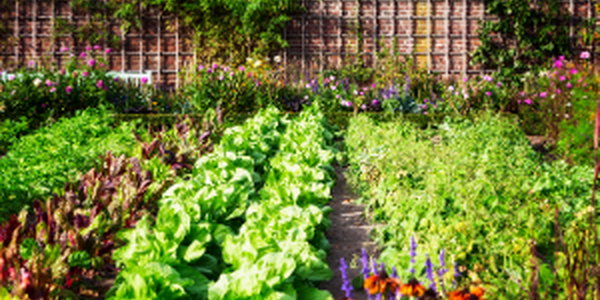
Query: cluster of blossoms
(380, 285)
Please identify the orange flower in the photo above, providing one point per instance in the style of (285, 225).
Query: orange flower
(412, 288)
(475, 293)
(381, 283)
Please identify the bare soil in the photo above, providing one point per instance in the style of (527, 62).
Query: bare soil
(349, 233)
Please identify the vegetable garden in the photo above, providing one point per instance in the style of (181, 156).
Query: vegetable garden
(224, 188)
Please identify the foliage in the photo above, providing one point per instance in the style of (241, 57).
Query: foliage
(474, 188)
(65, 244)
(529, 32)
(42, 162)
(10, 131)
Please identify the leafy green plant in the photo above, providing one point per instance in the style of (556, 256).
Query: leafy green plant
(475, 188)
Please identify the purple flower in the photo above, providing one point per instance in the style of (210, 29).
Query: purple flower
(52, 90)
(442, 270)
(346, 285)
(68, 89)
(488, 93)
(584, 55)
(91, 62)
(48, 82)
(527, 101)
(144, 80)
(374, 269)
(413, 254)
(375, 102)
(430, 275)
(116, 79)
(100, 84)
(43, 105)
(365, 262)
(543, 94)
(97, 47)
(456, 273)
(209, 70)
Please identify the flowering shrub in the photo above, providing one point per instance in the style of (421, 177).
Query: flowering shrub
(39, 93)
(564, 100)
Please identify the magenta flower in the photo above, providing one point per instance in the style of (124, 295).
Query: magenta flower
(558, 91)
(584, 55)
(31, 63)
(558, 64)
(91, 62)
(363, 107)
(241, 68)
(562, 78)
(116, 79)
(82, 54)
(543, 94)
(209, 70)
(488, 93)
(215, 66)
(85, 73)
(108, 50)
(68, 89)
(373, 86)
(88, 48)
(487, 78)
(97, 47)
(200, 67)
(52, 90)
(64, 49)
(48, 82)
(144, 80)
(527, 101)
(573, 71)
(375, 102)
(100, 84)
(465, 79)
(569, 85)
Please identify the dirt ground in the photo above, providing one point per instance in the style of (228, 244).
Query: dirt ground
(349, 233)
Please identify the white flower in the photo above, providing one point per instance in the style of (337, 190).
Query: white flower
(451, 88)
(257, 63)
(332, 78)
(568, 104)
(37, 82)
(277, 59)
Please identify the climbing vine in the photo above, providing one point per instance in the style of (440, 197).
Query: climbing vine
(528, 33)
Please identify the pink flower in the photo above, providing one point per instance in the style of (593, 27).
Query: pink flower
(82, 54)
(13, 92)
(487, 78)
(144, 80)
(373, 86)
(85, 73)
(562, 57)
(558, 64)
(68, 89)
(31, 63)
(231, 74)
(108, 50)
(364, 107)
(209, 70)
(88, 48)
(527, 101)
(558, 91)
(465, 79)
(573, 71)
(241, 68)
(215, 66)
(488, 93)
(11, 77)
(221, 77)
(499, 84)
(562, 78)
(569, 85)
(374, 102)
(52, 90)
(584, 55)
(64, 49)
(48, 82)
(91, 62)
(100, 84)
(543, 94)
(102, 65)
(200, 67)
(97, 47)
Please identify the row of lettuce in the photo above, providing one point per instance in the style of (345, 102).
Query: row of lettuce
(475, 190)
(246, 224)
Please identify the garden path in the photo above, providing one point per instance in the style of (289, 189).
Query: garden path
(349, 233)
